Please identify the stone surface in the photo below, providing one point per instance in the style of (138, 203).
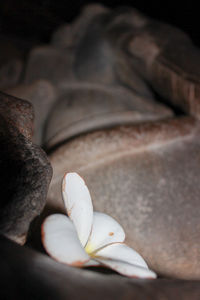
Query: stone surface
(13, 51)
(146, 176)
(27, 274)
(42, 96)
(14, 47)
(122, 47)
(87, 50)
(49, 63)
(18, 113)
(94, 41)
(69, 35)
(56, 62)
(25, 172)
(84, 107)
(170, 64)
(10, 73)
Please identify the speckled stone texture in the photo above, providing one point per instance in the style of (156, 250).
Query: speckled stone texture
(85, 107)
(42, 95)
(25, 172)
(146, 176)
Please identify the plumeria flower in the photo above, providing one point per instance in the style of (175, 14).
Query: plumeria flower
(88, 238)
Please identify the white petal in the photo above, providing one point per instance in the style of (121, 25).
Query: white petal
(128, 269)
(123, 253)
(105, 230)
(92, 263)
(60, 240)
(78, 204)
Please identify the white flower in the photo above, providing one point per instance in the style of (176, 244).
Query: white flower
(89, 238)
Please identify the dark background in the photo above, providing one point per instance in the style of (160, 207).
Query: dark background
(37, 18)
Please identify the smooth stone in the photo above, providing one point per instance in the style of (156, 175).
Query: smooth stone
(32, 275)
(85, 107)
(94, 56)
(95, 42)
(69, 35)
(147, 177)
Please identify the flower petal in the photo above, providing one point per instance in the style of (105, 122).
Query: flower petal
(60, 240)
(123, 253)
(78, 204)
(92, 263)
(105, 230)
(128, 269)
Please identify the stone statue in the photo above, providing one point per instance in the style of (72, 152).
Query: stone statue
(117, 99)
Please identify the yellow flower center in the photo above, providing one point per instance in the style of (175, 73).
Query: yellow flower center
(89, 248)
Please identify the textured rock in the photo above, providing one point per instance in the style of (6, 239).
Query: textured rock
(25, 172)
(17, 113)
(146, 176)
(42, 95)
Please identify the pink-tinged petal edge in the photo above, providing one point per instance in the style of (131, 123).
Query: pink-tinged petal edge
(92, 263)
(128, 270)
(124, 260)
(61, 242)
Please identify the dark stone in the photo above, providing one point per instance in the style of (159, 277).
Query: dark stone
(94, 57)
(42, 95)
(86, 51)
(27, 274)
(10, 73)
(25, 172)
(69, 35)
(98, 56)
(49, 63)
(165, 57)
(17, 113)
